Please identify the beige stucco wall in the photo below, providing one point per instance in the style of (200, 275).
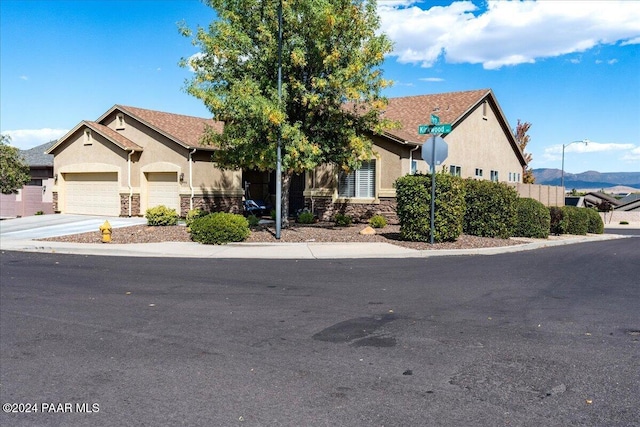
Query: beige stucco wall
(479, 141)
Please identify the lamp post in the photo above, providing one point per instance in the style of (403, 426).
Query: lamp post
(584, 141)
(279, 145)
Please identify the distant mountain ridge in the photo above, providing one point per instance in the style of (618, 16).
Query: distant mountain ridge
(588, 179)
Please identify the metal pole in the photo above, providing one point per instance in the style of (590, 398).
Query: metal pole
(562, 176)
(279, 148)
(433, 188)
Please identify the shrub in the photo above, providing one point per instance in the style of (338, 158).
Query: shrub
(161, 216)
(558, 224)
(577, 220)
(193, 214)
(490, 209)
(253, 220)
(342, 220)
(39, 213)
(532, 219)
(413, 196)
(624, 222)
(596, 225)
(305, 218)
(219, 228)
(377, 221)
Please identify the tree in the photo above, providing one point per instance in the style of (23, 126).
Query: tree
(522, 139)
(331, 101)
(14, 172)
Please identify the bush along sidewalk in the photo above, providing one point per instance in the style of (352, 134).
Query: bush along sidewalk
(219, 228)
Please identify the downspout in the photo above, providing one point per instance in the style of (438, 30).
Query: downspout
(129, 180)
(191, 178)
(411, 157)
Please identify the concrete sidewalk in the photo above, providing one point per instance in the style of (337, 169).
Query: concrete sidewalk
(310, 250)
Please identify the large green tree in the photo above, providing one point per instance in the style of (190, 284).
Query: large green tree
(331, 94)
(14, 172)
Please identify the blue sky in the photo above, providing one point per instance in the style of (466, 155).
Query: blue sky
(572, 69)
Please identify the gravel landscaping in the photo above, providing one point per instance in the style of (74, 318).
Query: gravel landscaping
(295, 233)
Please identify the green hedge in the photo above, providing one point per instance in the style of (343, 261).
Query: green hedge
(596, 225)
(413, 196)
(219, 228)
(490, 209)
(577, 220)
(532, 219)
(161, 216)
(558, 224)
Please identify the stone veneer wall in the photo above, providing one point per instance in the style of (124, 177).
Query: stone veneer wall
(55, 202)
(325, 208)
(135, 205)
(211, 204)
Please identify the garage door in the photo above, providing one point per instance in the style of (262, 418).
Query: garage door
(92, 193)
(162, 189)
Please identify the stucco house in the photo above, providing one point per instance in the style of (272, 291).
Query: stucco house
(481, 145)
(131, 159)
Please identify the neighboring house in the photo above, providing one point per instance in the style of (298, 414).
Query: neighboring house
(481, 145)
(37, 195)
(131, 159)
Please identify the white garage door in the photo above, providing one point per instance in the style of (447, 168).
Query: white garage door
(163, 189)
(92, 193)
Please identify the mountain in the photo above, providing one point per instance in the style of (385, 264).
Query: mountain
(589, 179)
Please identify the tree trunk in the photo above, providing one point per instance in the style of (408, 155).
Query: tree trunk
(286, 184)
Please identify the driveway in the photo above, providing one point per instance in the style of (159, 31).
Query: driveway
(43, 226)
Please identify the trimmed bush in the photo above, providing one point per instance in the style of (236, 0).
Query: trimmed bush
(219, 228)
(342, 220)
(193, 214)
(577, 220)
(161, 216)
(558, 224)
(596, 225)
(377, 221)
(532, 219)
(490, 209)
(253, 220)
(305, 218)
(413, 196)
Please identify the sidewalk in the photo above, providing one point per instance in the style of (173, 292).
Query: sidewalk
(310, 250)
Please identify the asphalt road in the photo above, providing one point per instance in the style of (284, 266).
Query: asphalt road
(549, 337)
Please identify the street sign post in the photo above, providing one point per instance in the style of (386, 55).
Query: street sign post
(438, 152)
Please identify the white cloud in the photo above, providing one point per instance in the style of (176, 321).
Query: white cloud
(29, 138)
(632, 156)
(24, 77)
(590, 147)
(635, 40)
(612, 61)
(506, 33)
(432, 79)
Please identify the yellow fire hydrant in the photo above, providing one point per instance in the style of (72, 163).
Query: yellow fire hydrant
(105, 229)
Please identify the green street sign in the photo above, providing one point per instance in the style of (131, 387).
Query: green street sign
(434, 129)
(435, 120)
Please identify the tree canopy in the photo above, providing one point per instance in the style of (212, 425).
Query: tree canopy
(331, 91)
(522, 138)
(14, 172)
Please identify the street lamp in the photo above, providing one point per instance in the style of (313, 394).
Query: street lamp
(584, 141)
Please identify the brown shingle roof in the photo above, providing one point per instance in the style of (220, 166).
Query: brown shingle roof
(185, 130)
(412, 111)
(113, 136)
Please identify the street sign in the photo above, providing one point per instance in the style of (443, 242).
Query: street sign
(434, 129)
(435, 120)
(441, 151)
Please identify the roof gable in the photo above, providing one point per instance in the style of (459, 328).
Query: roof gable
(108, 133)
(186, 131)
(452, 108)
(37, 156)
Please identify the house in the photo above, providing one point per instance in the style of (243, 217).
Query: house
(131, 159)
(37, 195)
(481, 145)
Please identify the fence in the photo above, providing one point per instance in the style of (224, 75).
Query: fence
(548, 195)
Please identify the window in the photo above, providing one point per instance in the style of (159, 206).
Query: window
(510, 177)
(455, 170)
(484, 110)
(414, 167)
(494, 176)
(359, 183)
(87, 137)
(478, 173)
